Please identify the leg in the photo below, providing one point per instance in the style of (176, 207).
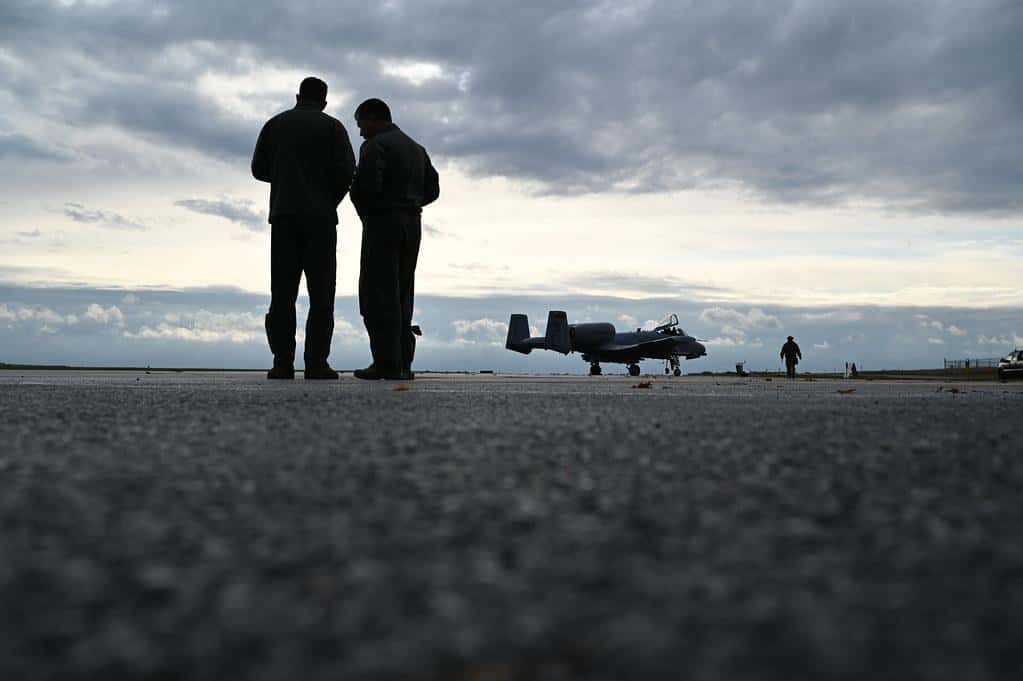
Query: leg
(379, 295)
(407, 288)
(319, 260)
(285, 274)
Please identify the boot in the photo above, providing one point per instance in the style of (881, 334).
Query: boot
(372, 373)
(281, 371)
(319, 373)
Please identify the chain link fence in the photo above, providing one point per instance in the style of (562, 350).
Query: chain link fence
(976, 363)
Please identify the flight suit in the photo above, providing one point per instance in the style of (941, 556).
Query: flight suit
(307, 158)
(393, 181)
(791, 354)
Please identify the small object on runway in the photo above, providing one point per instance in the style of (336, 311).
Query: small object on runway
(850, 391)
(645, 385)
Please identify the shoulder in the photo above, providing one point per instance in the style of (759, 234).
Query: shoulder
(409, 140)
(270, 123)
(370, 146)
(331, 121)
(276, 120)
(283, 115)
(406, 143)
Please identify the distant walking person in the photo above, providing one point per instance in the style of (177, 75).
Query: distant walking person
(307, 158)
(393, 182)
(791, 354)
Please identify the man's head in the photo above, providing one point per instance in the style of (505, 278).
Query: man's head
(372, 116)
(791, 338)
(312, 91)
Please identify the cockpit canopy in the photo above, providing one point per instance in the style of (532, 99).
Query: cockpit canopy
(669, 326)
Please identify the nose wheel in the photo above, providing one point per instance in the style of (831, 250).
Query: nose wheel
(633, 370)
(595, 370)
(671, 366)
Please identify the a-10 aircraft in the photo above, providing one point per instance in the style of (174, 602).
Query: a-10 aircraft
(601, 342)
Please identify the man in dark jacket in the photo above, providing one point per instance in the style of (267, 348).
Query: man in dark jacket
(307, 158)
(791, 354)
(393, 182)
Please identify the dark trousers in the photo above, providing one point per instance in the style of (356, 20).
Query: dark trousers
(387, 280)
(300, 245)
(790, 367)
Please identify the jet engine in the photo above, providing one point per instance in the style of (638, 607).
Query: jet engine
(586, 336)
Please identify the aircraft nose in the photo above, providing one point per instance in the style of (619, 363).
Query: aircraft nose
(701, 349)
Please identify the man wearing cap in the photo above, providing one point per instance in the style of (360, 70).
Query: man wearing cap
(791, 354)
(393, 182)
(307, 158)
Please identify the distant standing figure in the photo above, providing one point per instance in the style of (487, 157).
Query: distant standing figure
(393, 182)
(791, 354)
(307, 158)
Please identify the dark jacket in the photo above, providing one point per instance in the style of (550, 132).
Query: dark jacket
(394, 174)
(308, 160)
(790, 351)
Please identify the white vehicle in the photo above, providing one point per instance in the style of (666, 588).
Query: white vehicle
(1011, 366)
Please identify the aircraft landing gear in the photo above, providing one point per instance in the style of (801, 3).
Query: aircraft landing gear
(678, 372)
(674, 366)
(595, 370)
(633, 370)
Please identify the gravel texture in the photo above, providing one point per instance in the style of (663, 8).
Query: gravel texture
(220, 526)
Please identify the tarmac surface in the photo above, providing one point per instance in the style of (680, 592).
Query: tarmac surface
(220, 526)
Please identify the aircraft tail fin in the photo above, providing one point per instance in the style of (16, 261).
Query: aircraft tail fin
(518, 332)
(557, 337)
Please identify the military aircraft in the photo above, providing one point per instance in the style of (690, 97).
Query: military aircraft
(601, 342)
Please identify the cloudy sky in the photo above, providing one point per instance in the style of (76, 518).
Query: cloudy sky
(847, 170)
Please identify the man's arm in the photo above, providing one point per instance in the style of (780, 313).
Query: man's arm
(431, 182)
(367, 187)
(344, 161)
(262, 156)
(799, 353)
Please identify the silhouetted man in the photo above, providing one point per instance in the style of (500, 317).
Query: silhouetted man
(307, 158)
(394, 180)
(791, 354)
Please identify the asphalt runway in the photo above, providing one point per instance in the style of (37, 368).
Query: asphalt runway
(218, 526)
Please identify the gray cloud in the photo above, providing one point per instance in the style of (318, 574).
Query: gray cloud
(913, 105)
(17, 146)
(222, 327)
(650, 286)
(102, 218)
(238, 211)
